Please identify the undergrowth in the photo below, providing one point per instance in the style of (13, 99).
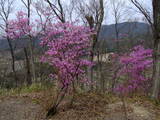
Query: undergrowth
(36, 87)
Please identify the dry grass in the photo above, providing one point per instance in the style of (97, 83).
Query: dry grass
(85, 107)
(93, 106)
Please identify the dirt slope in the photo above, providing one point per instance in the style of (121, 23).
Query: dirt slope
(86, 107)
(18, 109)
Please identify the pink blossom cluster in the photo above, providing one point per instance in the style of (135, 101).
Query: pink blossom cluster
(19, 27)
(67, 50)
(133, 68)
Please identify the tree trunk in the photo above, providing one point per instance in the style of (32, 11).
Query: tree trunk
(28, 72)
(156, 55)
(100, 72)
(59, 98)
(124, 107)
(156, 72)
(31, 43)
(90, 71)
(117, 37)
(102, 79)
(32, 59)
(13, 59)
(96, 25)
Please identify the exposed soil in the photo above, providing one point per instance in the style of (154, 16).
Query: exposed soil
(134, 112)
(86, 107)
(99, 108)
(15, 108)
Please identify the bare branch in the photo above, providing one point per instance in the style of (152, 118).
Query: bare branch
(59, 12)
(143, 11)
(24, 3)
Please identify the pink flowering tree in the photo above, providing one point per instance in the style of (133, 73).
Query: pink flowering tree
(67, 51)
(133, 68)
(19, 27)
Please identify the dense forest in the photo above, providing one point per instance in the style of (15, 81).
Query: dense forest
(79, 60)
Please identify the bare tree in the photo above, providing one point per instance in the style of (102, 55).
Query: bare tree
(70, 11)
(57, 9)
(44, 13)
(117, 11)
(92, 15)
(146, 13)
(27, 4)
(6, 7)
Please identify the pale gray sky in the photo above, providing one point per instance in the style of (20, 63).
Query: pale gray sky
(109, 19)
(129, 11)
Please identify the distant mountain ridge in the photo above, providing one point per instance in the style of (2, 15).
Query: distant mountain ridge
(107, 33)
(134, 28)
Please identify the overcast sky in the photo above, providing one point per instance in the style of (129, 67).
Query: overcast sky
(127, 12)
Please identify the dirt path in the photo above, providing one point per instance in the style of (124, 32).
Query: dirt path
(134, 112)
(23, 108)
(18, 109)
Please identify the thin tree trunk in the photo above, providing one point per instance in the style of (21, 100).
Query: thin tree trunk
(13, 59)
(90, 72)
(117, 36)
(100, 73)
(28, 72)
(32, 59)
(124, 107)
(102, 80)
(74, 91)
(95, 24)
(31, 43)
(59, 98)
